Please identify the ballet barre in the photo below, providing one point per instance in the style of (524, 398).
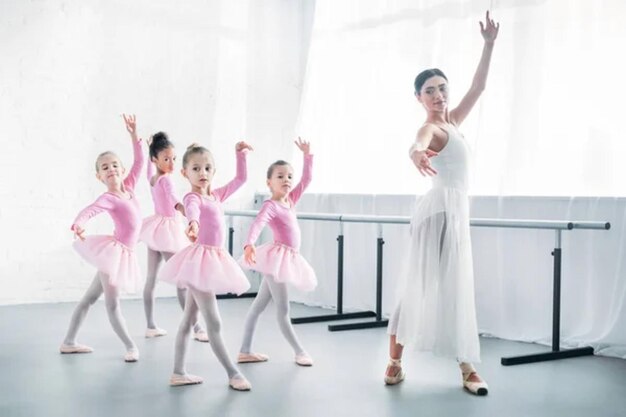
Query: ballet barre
(557, 225)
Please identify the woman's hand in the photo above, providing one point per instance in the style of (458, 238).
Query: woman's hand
(490, 29)
(421, 159)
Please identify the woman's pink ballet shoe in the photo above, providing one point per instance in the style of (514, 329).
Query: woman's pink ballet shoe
(398, 376)
(75, 348)
(177, 380)
(251, 357)
(239, 383)
(479, 388)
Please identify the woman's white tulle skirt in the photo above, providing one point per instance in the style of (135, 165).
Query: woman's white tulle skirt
(436, 310)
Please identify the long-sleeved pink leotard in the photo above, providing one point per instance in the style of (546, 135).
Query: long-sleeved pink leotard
(164, 230)
(125, 213)
(281, 260)
(163, 195)
(281, 219)
(114, 255)
(205, 265)
(207, 211)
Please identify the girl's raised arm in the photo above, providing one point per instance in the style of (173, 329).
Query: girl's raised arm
(138, 156)
(241, 176)
(307, 169)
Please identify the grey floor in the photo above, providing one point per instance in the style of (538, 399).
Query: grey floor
(347, 379)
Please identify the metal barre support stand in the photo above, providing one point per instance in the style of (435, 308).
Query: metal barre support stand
(379, 322)
(231, 231)
(340, 314)
(556, 352)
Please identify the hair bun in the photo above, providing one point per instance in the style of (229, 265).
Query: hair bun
(193, 145)
(160, 137)
(160, 141)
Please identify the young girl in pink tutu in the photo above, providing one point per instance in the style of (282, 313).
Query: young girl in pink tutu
(164, 231)
(279, 262)
(113, 256)
(205, 268)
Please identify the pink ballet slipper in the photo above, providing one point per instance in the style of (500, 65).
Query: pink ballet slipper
(479, 388)
(239, 383)
(303, 359)
(177, 380)
(77, 348)
(150, 333)
(251, 357)
(201, 336)
(398, 376)
(132, 355)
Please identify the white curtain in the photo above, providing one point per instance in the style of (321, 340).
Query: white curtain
(549, 122)
(548, 126)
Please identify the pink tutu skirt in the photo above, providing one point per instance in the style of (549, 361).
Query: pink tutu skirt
(113, 258)
(205, 268)
(284, 264)
(163, 234)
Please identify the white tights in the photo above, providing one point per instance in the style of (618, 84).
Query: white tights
(98, 286)
(154, 259)
(269, 290)
(206, 304)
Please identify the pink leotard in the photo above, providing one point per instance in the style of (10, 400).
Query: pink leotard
(125, 213)
(281, 219)
(163, 194)
(207, 210)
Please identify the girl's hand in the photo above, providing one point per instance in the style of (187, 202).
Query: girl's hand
(192, 231)
(303, 145)
(131, 124)
(490, 29)
(78, 232)
(421, 159)
(240, 146)
(249, 254)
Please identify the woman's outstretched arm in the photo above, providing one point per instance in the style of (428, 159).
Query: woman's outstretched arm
(489, 31)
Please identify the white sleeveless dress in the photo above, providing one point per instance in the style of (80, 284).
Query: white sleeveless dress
(436, 310)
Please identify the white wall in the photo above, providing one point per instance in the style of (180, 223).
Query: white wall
(203, 71)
